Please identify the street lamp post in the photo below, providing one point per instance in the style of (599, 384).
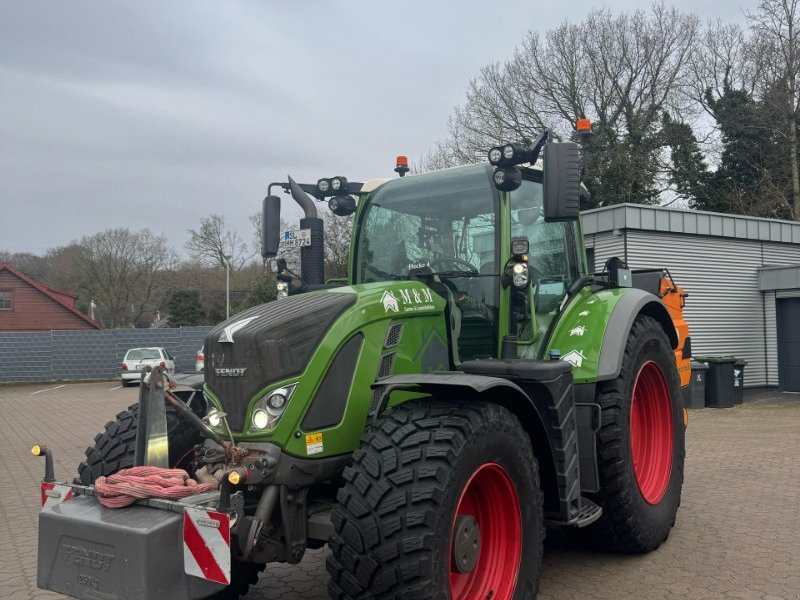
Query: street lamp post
(227, 285)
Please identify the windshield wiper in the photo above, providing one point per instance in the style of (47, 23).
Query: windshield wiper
(391, 276)
(463, 274)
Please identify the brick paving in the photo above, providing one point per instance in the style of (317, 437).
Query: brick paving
(737, 534)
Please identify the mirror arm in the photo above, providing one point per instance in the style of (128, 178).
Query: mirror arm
(536, 147)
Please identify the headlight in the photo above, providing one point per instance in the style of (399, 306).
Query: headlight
(269, 410)
(260, 419)
(520, 273)
(323, 185)
(508, 151)
(495, 154)
(214, 417)
(336, 184)
(276, 401)
(282, 288)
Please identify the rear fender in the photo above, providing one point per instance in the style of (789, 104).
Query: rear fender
(593, 329)
(636, 302)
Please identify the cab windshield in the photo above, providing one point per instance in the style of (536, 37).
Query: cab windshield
(441, 222)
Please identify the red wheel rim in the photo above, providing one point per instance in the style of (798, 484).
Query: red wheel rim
(490, 498)
(651, 432)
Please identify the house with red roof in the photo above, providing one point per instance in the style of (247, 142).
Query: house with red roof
(28, 305)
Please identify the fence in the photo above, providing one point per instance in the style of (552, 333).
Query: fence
(38, 356)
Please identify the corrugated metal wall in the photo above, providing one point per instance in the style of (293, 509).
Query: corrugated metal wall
(771, 338)
(716, 259)
(605, 246)
(724, 309)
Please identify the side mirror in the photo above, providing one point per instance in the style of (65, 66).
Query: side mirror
(271, 226)
(562, 181)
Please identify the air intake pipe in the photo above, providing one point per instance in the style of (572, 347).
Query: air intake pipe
(312, 258)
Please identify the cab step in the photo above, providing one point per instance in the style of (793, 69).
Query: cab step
(588, 514)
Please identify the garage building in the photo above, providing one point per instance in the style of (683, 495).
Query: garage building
(742, 275)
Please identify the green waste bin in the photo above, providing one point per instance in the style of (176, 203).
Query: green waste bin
(720, 388)
(738, 381)
(696, 391)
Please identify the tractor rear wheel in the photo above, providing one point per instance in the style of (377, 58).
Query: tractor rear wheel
(114, 449)
(442, 501)
(640, 446)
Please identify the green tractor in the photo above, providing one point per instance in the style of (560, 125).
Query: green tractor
(470, 384)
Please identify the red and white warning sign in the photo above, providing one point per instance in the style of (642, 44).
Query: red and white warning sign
(54, 494)
(207, 545)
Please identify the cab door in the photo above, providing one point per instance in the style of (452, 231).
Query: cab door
(555, 261)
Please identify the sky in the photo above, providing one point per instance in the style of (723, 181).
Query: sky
(155, 114)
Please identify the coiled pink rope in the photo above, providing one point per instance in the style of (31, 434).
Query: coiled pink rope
(129, 485)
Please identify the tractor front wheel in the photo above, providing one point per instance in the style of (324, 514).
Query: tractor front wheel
(442, 501)
(640, 446)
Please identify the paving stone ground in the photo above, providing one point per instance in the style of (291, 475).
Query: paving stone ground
(737, 534)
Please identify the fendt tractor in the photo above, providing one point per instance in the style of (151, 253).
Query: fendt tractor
(467, 387)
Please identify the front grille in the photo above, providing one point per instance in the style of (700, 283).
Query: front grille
(276, 342)
(376, 397)
(393, 336)
(385, 368)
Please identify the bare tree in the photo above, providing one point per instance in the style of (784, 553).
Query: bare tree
(32, 265)
(212, 242)
(338, 231)
(622, 71)
(120, 270)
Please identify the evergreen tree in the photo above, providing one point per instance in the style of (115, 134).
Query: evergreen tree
(185, 308)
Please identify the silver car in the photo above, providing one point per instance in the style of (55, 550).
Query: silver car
(138, 358)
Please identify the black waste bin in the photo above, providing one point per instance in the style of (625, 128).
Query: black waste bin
(720, 390)
(738, 381)
(696, 392)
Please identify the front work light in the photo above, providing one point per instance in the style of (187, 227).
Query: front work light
(507, 179)
(508, 155)
(519, 246)
(342, 206)
(324, 186)
(339, 185)
(282, 289)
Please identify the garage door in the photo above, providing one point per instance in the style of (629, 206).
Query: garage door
(788, 314)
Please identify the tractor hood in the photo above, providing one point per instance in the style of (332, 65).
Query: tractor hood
(300, 336)
(266, 343)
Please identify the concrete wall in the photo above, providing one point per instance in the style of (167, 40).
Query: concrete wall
(37, 356)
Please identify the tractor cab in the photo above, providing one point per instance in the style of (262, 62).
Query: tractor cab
(500, 263)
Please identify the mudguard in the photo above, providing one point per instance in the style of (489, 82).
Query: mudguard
(592, 331)
(540, 394)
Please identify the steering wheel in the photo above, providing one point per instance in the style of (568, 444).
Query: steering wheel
(452, 261)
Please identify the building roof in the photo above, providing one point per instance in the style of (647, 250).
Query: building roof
(52, 293)
(695, 222)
